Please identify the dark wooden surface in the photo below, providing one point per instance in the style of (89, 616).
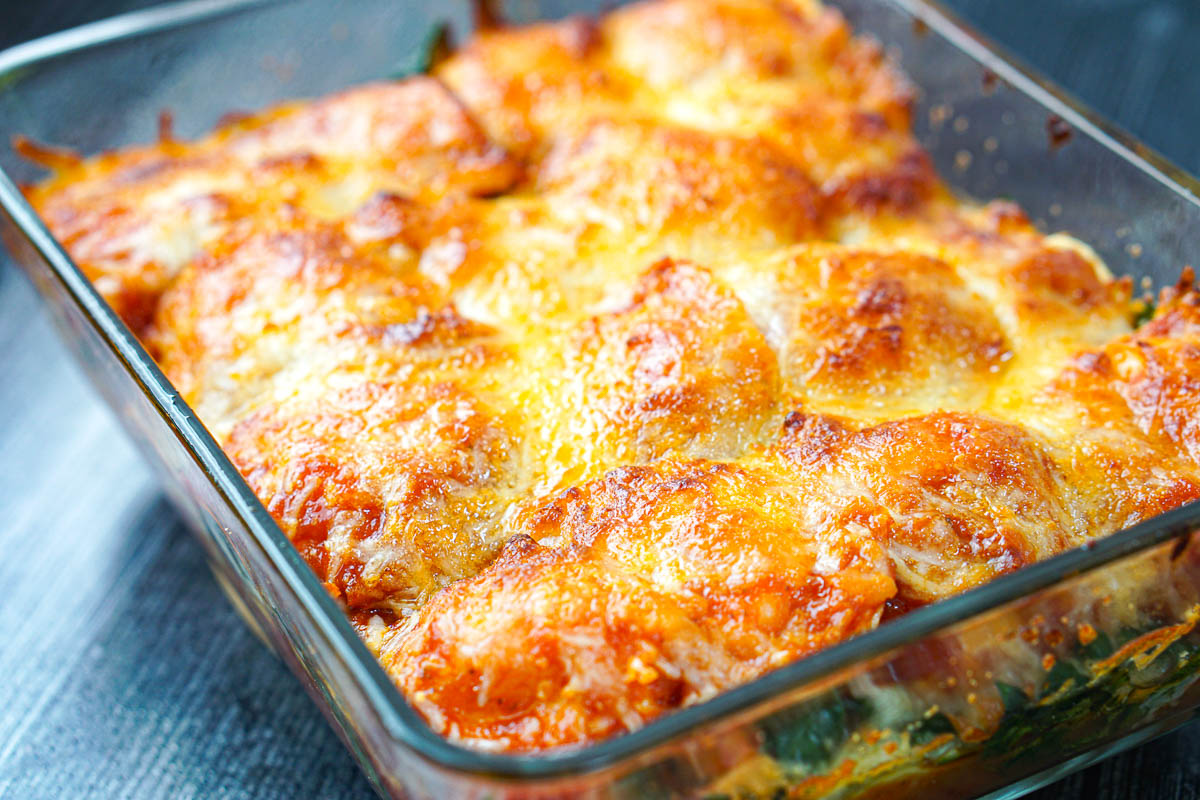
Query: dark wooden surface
(124, 673)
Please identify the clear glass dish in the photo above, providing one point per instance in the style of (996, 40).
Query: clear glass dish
(993, 692)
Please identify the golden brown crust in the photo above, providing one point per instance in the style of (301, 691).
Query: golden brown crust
(509, 353)
(668, 179)
(659, 586)
(134, 219)
(679, 369)
(417, 131)
(1127, 415)
(524, 82)
(876, 331)
(769, 568)
(543, 650)
(966, 498)
(675, 44)
(390, 489)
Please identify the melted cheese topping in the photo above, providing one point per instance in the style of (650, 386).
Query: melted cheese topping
(623, 360)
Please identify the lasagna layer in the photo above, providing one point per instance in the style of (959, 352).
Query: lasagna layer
(619, 361)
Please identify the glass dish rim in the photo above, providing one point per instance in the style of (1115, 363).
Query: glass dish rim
(401, 722)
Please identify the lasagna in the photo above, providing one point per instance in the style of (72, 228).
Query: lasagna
(615, 362)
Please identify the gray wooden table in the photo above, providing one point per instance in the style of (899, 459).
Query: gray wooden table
(124, 673)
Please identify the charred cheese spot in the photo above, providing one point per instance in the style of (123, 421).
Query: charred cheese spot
(970, 498)
(769, 569)
(543, 649)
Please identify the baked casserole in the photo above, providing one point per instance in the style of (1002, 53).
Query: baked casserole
(617, 362)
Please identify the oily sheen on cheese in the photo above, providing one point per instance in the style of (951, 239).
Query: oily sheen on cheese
(619, 361)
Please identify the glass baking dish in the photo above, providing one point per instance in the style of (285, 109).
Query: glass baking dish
(993, 692)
